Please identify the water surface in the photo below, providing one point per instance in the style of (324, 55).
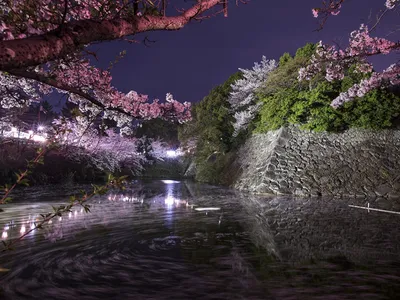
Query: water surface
(181, 240)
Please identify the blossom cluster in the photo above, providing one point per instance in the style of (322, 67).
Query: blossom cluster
(390, 76)
(17, 92)
(390, 4)
(334, 62)
(107, 150)
(21, 19)
(334, 6)
(80, 75)
(242, 97)
(86, 85)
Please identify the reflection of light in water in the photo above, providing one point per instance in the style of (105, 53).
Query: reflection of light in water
(6, 227)
(32, 226)
(75, 213)
(169, 201)
(70, 215)
(170, 181)
(4, 235)
(60, 218)
(126, 198)
(23, 229)
(112, 198)
(207, 208)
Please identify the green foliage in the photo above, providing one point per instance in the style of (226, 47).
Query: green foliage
(212, 129)
(376, 110)
(311, 109)
(276, 109)
(286, 57)
(285, 76)
(306, 51)
(217, 169)
(287, 101)
(214, 121)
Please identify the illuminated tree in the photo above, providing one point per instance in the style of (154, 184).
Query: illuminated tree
(242, 98)
(43, 47)
(334, 62)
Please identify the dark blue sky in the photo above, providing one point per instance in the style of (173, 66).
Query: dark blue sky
(190, 62)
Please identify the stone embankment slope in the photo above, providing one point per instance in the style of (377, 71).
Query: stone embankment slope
(356, 163)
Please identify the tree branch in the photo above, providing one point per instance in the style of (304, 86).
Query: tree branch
(36, 50)
(165, 112)
(72, 90)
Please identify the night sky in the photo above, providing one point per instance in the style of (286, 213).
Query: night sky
(190, 62)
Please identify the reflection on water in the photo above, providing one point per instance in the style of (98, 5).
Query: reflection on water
(176, 240)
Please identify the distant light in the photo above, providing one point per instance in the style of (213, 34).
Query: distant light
(40, 128)
(169, 181)
(172, 153)
(38, 138)
(14, 129)
(30, 132)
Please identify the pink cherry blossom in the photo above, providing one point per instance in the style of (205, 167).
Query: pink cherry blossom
(388, 77)
(362, 45)
(65, 27)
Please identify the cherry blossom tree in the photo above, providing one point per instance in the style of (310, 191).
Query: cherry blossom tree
(43, 48)
(243, 99)
(105, 151)
(334, 62)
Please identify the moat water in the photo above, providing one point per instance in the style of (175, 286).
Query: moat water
(181, 240)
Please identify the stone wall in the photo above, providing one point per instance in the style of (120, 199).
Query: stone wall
(356, 163)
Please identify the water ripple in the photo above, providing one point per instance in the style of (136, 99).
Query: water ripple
(150, 242)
